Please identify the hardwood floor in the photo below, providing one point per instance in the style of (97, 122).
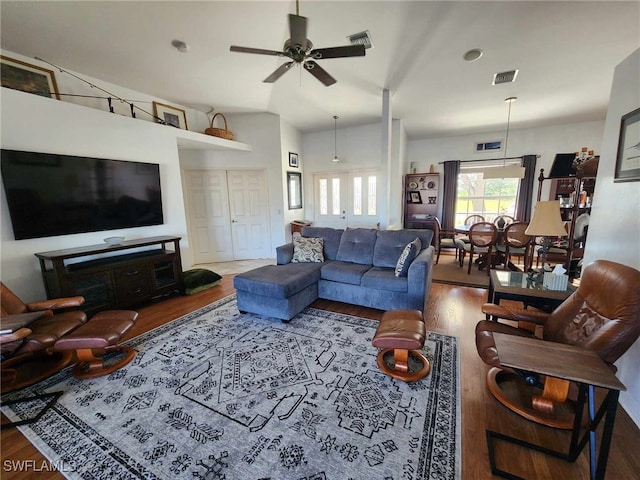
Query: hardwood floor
(452, 310)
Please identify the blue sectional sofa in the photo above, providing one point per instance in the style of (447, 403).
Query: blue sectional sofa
(359, 268)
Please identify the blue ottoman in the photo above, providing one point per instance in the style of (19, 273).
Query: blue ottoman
(280, 291)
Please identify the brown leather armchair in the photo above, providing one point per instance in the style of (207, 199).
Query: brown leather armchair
(39, 337)
(602, 315)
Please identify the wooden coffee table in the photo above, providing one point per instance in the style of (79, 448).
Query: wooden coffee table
(508, 285)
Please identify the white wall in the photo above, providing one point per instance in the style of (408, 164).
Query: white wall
(544, 141)
(34, 123)
(262, 132)
(614, 228)
(358, 149)
(291, 141)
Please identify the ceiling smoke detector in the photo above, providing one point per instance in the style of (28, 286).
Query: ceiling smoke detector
(505, 77)
(362, 38)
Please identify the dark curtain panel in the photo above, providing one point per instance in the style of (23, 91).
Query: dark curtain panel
(449, 193)
(525, 193)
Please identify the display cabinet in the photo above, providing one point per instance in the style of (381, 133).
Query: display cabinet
(575, 194)
(421, 195)
(114, 276)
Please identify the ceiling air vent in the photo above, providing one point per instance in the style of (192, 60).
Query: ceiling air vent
(505, 77)
(362, 38)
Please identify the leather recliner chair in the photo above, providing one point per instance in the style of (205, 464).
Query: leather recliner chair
(22, 364)
(602, 315)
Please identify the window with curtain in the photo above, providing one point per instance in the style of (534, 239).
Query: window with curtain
(479, 193)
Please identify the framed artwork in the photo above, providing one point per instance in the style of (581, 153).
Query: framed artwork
(293, 160)
(173, 116)
(628, 158)
(294, 190)
(414, 197)
(28, 78)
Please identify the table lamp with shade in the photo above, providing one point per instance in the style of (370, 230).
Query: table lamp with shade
(546, 223)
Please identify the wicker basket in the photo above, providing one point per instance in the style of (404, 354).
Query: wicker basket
(219, 132)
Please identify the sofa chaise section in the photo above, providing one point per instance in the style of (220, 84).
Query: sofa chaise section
(359, 268)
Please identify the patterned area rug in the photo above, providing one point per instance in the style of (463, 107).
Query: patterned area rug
(220, 395)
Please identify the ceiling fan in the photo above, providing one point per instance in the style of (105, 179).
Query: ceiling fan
(300, 50)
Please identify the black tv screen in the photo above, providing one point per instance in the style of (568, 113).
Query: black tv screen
(51, 194)
(563, 165)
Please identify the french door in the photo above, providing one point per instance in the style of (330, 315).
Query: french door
(227, 213)
(346, 199)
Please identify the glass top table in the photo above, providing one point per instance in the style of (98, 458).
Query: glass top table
(508, 285)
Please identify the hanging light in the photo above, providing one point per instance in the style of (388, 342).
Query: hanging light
(506, 171)
(335, 140)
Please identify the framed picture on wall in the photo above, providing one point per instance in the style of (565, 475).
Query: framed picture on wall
(294, 190)
(169, 115)
(293, 160)
(628, 158)
(28, 78)
(414, 197)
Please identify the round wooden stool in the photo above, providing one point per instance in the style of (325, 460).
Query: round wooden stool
(401, 335)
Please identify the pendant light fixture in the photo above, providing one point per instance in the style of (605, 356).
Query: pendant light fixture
(506, 171)
(335, 140)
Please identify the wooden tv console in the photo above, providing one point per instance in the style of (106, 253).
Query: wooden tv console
(114, 276)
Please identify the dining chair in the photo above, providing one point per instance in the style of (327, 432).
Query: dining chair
(446, 239)
(515, 242)
(470, 220)
(482, 238)
(503, 221)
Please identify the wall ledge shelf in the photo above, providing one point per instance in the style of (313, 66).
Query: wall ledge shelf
(199, 141)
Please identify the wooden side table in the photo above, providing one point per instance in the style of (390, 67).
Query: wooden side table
(565, 362)
(298, 225)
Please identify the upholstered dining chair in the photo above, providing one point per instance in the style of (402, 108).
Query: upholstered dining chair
(446, 240)
(592, 317)
(503, 221)
(482, 239)
(515, 242)
(20, 363)
(470, 220)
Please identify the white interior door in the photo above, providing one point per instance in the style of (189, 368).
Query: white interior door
(249, 211)
(330, 199)
(228, 215)
(207, 202)
(346, 199)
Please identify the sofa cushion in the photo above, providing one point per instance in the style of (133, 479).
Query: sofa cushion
(307, 250)
(408, 255)
(343, 272)
(279, 281)
(356, 246)
(391, 243)
(331, 238)
(381, 278)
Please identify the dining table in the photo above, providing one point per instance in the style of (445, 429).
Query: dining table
(498, 257)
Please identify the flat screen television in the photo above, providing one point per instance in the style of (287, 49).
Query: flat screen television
(49, 194)
(563, 166)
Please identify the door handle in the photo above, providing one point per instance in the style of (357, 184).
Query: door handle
(234, 221)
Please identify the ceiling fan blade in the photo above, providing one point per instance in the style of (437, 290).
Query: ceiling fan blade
(259, 51)
(338, 52)
(320, 73)
(298, 29)
(281, 70)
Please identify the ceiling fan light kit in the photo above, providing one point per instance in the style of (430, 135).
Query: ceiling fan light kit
(300, 50)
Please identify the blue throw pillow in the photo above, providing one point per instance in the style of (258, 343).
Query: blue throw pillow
(408, 255)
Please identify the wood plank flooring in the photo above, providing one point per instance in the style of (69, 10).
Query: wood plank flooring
(451, 310)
